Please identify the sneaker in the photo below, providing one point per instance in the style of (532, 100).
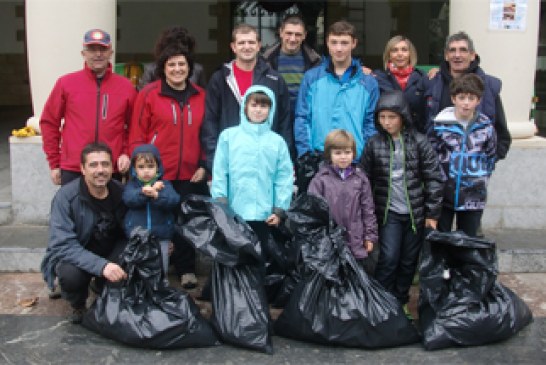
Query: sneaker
(54, 293)
(188, 281)
(77, 315)
(407, 312)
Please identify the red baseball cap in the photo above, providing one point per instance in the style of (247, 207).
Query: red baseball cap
(97, 36)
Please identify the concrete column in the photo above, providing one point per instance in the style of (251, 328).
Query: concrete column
(54, 30)
(507, 54)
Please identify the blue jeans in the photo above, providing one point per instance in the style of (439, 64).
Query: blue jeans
(399, 248)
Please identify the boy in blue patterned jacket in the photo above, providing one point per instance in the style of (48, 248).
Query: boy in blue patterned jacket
(465, 141)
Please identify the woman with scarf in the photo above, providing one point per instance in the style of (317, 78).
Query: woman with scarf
(399, 59)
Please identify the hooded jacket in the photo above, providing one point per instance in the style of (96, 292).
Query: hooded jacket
(93, 111)
(223, 104)
(467, 158)
(351, 205)
(422, 174)
(438, 98)
(414, 93)
(326, 102)
(173, 128)
(71, 224)
(252, 167)
(155, 215)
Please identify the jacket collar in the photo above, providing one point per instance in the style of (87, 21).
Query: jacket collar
(166, 90)
(93, 76)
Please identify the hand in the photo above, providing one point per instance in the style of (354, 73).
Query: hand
(158, 185)
(432, 72)
(273, 220)
(366, 70)
(123, 163)
(199, 175)
(113, 272)
(55, 176)
(368, 245)
(149, 191)
(431, 223)
(170, 250)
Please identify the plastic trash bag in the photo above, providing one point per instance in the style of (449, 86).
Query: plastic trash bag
(335, 302)
(141, 311)
(307, 166)
(461, 302)
(240, 312)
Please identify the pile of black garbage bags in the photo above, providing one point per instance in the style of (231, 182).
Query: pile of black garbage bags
(307, 269)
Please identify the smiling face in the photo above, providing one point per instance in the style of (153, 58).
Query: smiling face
(292, 36)
(97, 58)
(246, 47)
(97, 170)
(399, 55)
(341, 157)
(459, 57)
(176, 72)
(256, 112)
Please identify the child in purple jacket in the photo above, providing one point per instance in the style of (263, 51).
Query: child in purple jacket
(347, 190)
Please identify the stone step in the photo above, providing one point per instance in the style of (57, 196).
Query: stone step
(519, 251)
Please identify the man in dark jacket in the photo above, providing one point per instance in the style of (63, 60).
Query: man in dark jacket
(291, 57)
(228, 85)
(461, 58)
(85, 230)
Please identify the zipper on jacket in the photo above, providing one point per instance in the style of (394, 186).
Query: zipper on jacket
(181, 139)
(152, 141)
(97, 115)
(148, 218)
(104, 106)
(413, 227)
(460, 170)
(390, 181)
(173, 108)
(189, 114)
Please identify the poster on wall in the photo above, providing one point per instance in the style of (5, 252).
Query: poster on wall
(508, 14)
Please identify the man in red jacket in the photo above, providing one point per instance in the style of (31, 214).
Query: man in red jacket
(96, 106)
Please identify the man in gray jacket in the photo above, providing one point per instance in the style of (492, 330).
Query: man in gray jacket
(85, 230)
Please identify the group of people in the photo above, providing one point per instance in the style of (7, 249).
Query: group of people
(403, 151)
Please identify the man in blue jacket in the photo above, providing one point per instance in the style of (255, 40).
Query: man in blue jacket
(461, 58)
(336, 95)
(85, 230)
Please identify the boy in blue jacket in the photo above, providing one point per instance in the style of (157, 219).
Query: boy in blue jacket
(466, 143)
(151, 201)
(252, 171)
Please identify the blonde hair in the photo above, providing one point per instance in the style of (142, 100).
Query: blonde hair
(337, 139)
(393, 42)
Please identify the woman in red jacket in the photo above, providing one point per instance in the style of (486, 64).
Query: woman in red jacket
(168, 113)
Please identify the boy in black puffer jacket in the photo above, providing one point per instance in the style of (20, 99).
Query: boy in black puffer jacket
(406, 181)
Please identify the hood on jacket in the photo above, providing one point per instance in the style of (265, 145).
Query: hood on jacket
(394, 101)
(147, 148)
(266, 125)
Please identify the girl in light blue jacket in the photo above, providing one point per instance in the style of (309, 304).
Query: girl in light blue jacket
(252, 170)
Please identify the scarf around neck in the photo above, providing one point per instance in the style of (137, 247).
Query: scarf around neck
(401, 75)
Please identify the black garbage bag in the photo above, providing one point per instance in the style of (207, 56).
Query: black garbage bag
(336, 302)
(281, 254)
(461, 301)
(239, 302)
(141, 311)
(307, 166)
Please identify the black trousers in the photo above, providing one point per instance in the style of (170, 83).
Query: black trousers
(467, 221)
(399, 248)
(183, 257)
(74, 282)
